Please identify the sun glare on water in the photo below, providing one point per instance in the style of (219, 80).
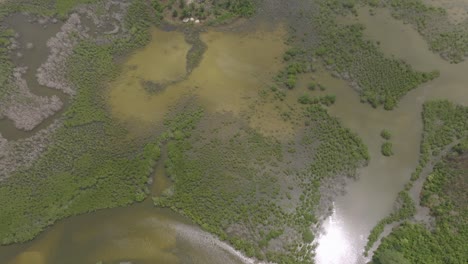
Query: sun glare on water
(335, 243)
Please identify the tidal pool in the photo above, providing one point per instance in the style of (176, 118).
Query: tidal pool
(372, 197)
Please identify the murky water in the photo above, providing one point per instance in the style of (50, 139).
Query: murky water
(37, 35)
(371, 197)
(234, 68)
(140, 234)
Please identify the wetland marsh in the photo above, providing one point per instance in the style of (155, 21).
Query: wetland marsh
(162, 162)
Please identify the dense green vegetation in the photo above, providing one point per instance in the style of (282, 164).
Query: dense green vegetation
(387, 149)
(6, 67)
(247, 188)
(385, 134)
(444, 37)
(343, 48)
(444, 123)
(213, 11)
(43, 7)
(92, 163)
(444, 193)
(325, 100)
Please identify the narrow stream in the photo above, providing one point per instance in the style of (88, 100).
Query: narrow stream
(371, 197)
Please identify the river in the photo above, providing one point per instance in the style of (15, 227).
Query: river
(371, 198)
(233, 70)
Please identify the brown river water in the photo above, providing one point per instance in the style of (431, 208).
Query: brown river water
(235, 67)
(371, 197)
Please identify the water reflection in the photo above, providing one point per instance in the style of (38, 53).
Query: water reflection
(371, 198)
(337, 242)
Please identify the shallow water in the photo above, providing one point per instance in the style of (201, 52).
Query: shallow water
(140, 234)
(234, 68)
(38, 35)
(371, 197)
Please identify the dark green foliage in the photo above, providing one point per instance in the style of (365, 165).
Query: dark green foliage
(380, 80)
(444, 192)
(233, 180)
(385, 134)
(386, 149)
(91, 163)
(288, 77)
(326, 100)
(44, 7)
(6, 67)
(390, 257)
(243, 8)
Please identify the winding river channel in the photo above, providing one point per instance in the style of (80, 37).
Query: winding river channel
(228, 73)
(372, 197)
